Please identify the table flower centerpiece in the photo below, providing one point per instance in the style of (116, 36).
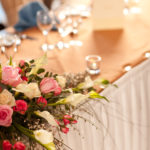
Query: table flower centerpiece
(36, 104)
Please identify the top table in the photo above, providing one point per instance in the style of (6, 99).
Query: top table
(116, 47)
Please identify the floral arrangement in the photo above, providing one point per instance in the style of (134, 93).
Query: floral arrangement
(35, 104)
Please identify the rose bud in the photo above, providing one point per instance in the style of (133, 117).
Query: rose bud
(42, 101)
(65, 130)
(21, 106)
(19, 146)
(6, 145)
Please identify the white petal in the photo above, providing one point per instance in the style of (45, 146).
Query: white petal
(43, 136)
(46, 115)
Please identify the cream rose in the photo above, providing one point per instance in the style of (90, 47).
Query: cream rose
(6, 98)
(43, 136)
(30, 90)
(46, 115)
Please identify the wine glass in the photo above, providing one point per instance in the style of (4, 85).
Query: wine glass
(44, 22)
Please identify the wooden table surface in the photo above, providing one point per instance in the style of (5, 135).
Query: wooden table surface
(117, 47)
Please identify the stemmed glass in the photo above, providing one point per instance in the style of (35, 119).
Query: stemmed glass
(45, 22)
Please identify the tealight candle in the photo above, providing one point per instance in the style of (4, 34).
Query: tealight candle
(93, 64)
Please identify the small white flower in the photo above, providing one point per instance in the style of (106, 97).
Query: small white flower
(75, 99)
(43, 136)
(46, 115)
(30, 90)
(61, 81)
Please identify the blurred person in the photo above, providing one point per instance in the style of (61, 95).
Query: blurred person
(3, 18)
(12, 7)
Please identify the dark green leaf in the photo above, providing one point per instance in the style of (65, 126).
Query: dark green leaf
(32, 61)
(37, 78)
(28, 69)
(26, 64)
(51, 74)
(46, 74)
(41, 70)
(49, 95)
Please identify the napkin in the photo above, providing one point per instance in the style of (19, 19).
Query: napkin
(27, 16)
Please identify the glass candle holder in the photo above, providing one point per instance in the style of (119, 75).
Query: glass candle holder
(93, 64)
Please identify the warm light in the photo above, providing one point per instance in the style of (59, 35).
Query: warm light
(147, 54)
(127, 68)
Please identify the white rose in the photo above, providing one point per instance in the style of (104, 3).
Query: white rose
(46, 115)
(75, 99)
(61, 81)
(43, 136)
(30, 90)
(6, 98)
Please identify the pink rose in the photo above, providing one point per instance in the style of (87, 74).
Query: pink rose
(57, 91)
(19, 146)
(21, 106)
(11, 76)
(50, 85)
(42, 101)
(65, 130)
(6, 145)
(21, 63)
(5, 115)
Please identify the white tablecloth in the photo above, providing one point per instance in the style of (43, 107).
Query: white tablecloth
(125, 122)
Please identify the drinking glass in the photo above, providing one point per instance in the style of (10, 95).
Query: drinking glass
(45, 23)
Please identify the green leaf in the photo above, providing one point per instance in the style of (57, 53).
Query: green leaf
(41, 70)
(46, 74)
(51, 74)
(26, 64)
(28, 69)
(103, 81)
(32, 61)
(49, 95)
(37, 78)
(94, 94)
(115, 85)
(10, 61)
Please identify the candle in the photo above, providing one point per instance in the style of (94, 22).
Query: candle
(93, 64)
